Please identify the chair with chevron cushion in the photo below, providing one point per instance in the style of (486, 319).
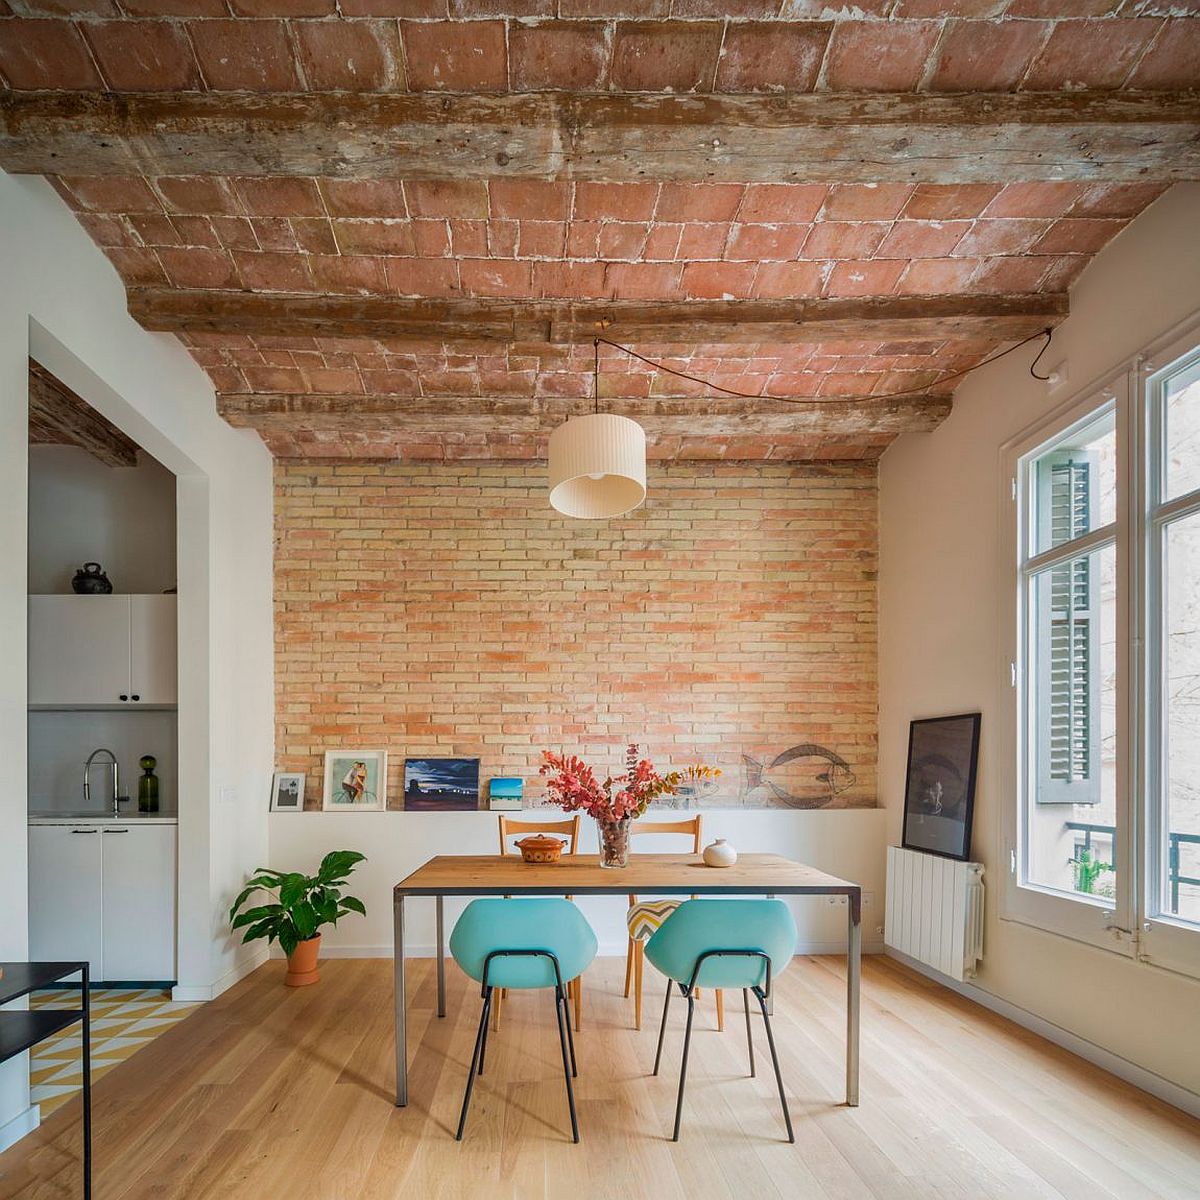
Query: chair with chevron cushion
(645, 916)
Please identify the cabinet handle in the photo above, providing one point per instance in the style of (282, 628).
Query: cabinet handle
(135, 697)
(124, 697)
(116, 831)
(83, 831)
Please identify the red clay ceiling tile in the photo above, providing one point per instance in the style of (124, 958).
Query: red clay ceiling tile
(702, 240)
(530, 200)
(1092, 54)
(718, 281)
(583, 238)
(879, 56)
(614, 8)
(45, 54)
(951, 8)
(352, 56)
(1074, 235)
(1064, 272)
(136, 266)
(844, 239)
(986, 56)
(578, 281)
(283, 8)
(502, 8)
(615, 201)
(143, 56)
(698, 201)
(662, 243)
(764, 243)
(272, 272)
(622, 239)
(1021, 274)
(771, 56)
(725, 8)
(62, 8)
(922, 239)
(198, 267)
(455, 56)
(782, 281)
(392, 8)
(558, 54)
(496, 277)
(642, 281)
(106, 230)
(502, 238)
(865, 201)
(1009, 236)
(949, 201)
(1116, 199)
(175, 8)
(447, 198)
(364, 197)
(272, 196)
(195, 194)
(542, 239)
(937, 276)
(275, 233)
(356, 273)
(1053, 9)
(155, 229)
(422, 276)
(1039, 199)
(765, 203)
(665, 56)
(314, 234)
(374, 237)
(864, 278)
(468, 239)
(112, 193)
(1173, 61)
(239, 55)
(235, 233)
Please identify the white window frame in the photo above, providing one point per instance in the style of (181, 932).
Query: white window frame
(1134, 924)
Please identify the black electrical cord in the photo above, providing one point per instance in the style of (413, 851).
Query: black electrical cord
(1047, 333)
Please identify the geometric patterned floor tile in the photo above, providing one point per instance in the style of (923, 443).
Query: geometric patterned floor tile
(123, 1021)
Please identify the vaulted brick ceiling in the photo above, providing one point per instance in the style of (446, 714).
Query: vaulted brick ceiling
(223, 207)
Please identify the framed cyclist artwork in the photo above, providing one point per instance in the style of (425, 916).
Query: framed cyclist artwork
(355, 780)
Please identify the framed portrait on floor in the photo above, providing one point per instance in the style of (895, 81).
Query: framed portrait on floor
(939, 791)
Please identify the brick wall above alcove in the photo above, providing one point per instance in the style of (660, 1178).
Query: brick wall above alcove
(449, 610)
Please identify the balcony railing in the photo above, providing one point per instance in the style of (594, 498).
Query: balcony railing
(1174, 842)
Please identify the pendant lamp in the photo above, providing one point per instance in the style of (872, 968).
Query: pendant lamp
(597, 463)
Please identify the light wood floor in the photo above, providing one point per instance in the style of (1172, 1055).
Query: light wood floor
(275, 1094)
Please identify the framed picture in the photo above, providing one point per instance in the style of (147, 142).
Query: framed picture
(441, 784)
(355, 780)
(287, 792)
(506, 792)
(939, 791)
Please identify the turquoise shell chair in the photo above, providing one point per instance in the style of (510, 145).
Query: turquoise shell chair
(536, 943)
(724, 944)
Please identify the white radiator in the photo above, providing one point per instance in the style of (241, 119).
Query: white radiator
(935, 910)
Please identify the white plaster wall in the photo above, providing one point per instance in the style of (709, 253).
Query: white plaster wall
(847, 843)
(939, 565)
(62, 302)
(81, 510)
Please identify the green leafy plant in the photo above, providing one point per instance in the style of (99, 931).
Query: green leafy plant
(1088, 869)
(301, 904)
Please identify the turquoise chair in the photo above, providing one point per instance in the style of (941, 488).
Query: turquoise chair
(515, 944)
(724, 944)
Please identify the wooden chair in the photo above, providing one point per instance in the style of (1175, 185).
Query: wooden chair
(644, 917)
(513, 829)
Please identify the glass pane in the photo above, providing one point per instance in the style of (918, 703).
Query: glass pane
(1181, 423)
(1074, 484)
(1181, 678)
(1071, 806)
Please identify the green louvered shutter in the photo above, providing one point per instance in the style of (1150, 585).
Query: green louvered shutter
(1068, 650)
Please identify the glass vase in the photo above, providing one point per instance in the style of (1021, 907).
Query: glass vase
(614, 842)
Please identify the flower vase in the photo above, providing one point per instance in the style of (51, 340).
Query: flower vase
(614, 842)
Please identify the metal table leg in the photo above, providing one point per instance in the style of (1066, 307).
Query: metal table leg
(853, 980)
(87, 1087)
(401, 1030)
(441, 956)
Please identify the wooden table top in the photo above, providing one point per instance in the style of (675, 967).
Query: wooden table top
(651, 874)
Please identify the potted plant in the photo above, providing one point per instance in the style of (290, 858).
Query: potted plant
(613, 804)
(301, 905)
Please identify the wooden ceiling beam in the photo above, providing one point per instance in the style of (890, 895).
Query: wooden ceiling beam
(821, 138)
(434, 416)
(57, 416)
(688, 322)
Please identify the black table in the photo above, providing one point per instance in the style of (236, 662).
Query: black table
(21, 1030)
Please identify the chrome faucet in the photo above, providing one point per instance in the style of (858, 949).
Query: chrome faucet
(116, 779)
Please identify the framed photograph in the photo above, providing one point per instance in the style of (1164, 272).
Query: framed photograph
(355, 780)
(939, 792)
(287, 792)
(441, 784)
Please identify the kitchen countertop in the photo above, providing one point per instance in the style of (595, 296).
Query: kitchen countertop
(102, 819)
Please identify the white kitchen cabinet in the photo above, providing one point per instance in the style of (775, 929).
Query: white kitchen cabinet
(64, 894)
(94, 651)
(104, 890)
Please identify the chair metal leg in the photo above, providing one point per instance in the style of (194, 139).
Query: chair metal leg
(570, 1040)
(787, 1116)
(687, 1041)
(749, 1035)
(466, 1104)
(662, 1029)
(483, 1045)
(564, 1022)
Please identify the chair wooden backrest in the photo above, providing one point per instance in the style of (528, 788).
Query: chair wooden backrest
(693, 825)
(510, 828)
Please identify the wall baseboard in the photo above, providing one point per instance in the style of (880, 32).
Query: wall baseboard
(191, 994)
(1098, 1056)
(14, 1129)
(607, 950)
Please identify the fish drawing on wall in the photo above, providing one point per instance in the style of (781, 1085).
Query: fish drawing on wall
(792, 781)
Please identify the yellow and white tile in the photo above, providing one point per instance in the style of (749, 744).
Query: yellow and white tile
(123, 1021)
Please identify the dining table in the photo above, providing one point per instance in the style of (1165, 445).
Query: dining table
(645, 874)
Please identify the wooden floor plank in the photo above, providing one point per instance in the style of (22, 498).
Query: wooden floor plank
(271, 1092)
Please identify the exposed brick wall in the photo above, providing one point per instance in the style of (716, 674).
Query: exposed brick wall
(449, 610)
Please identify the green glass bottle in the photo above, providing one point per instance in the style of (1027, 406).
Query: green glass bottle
(148, 785)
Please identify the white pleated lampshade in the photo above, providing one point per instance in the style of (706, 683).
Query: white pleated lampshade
(597, 466)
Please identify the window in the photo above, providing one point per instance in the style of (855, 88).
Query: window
(1102, 684)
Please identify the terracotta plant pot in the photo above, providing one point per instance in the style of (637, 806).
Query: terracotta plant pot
(302, 963)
